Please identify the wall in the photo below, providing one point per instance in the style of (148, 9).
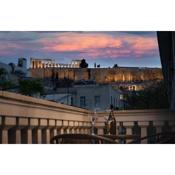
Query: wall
(101, 75)
(30, 120)
(27, 118)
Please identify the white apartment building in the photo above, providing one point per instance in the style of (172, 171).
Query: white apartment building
(91, 97)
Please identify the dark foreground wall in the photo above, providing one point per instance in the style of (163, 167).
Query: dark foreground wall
(166, 41)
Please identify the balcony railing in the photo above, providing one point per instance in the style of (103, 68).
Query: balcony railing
(26, 119)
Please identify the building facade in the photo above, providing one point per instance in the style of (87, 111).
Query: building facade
(100, 75)
(92, 97)
(38, 63)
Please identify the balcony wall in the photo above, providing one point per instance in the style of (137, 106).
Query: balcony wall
(26, 119)
(159, 119)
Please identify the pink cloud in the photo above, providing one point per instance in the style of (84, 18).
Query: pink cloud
(142, 46)
(80, 42)
(91, 44)
(7, 48)
(96, 45)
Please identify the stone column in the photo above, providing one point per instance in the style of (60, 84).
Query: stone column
(39, 136)
(33, 124)
(55, 132)
(18, 136)
(75, 127)
(81, 130)
(128, 130)
(58, 130)
(23, 125)
(62, 131)
(17, 131)
(66, 127)
(58, 126)
(4, 136)
(67, 130)
(29, 135)
(86, 130)
(45, 136)
(48, 136)
(72, 131)
(78, 130)
(71, 125)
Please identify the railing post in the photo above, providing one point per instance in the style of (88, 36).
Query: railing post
(4, 131)
(50, 130)
(29, 135)
(47, 135)
(80, 127)
(53, 132)
(18, 131)
(77, 128)
(4, 136)
(39, 136)
(18, 136)
(143, 126)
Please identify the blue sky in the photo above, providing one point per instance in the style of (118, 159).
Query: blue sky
(104, 48)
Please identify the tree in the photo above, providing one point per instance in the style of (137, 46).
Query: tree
(6, 85)
(115, 66)
(153, 97)
(31, 87)
(83, 64)
(3, 72)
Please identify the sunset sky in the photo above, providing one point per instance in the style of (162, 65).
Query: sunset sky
(104, 48)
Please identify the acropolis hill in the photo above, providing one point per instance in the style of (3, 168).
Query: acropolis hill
(100, 75)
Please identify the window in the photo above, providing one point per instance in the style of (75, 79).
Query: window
(97, 101)
(82, 101)
(121, 96)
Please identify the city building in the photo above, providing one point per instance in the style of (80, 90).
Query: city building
(64, 98)
(20, 68)
(37, 63)
(13, 71)
(89, 96)
(133, 86)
